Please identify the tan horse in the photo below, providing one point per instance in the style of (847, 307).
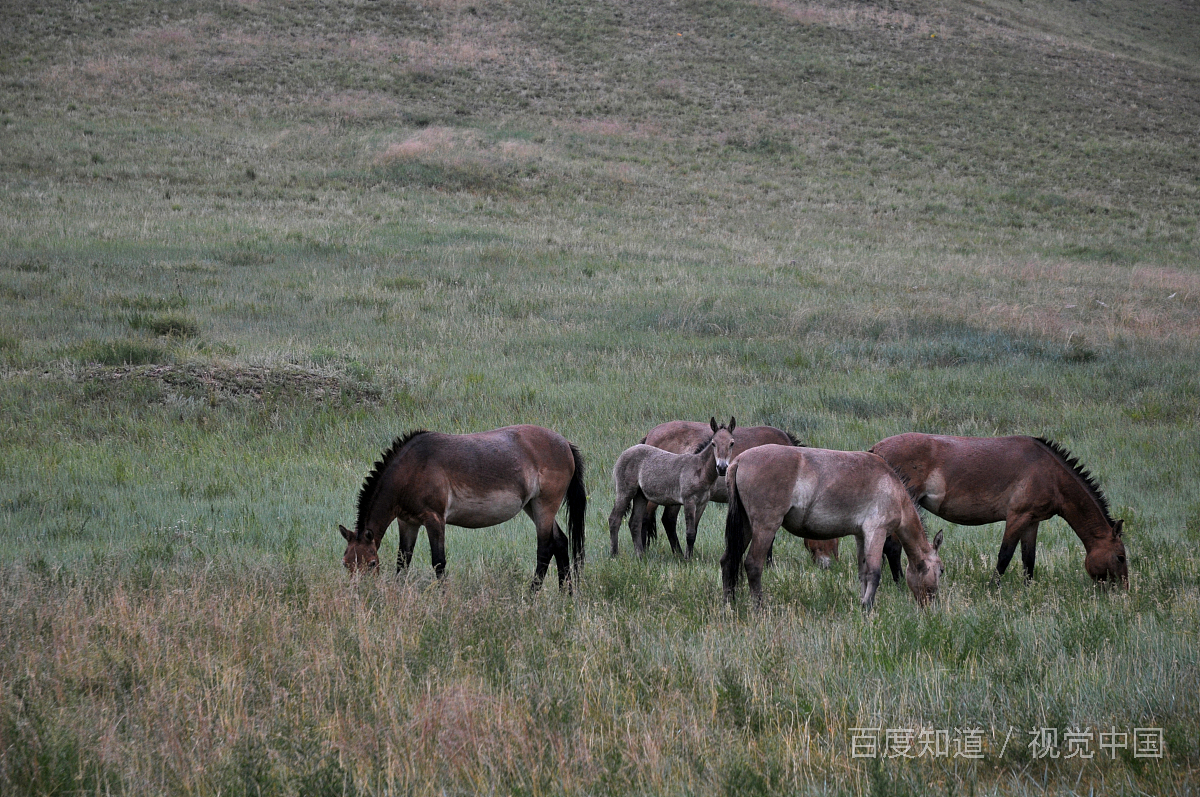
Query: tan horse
(813, 492)
(1020, 480)
(645, 473)
(471, 480)
(679, 437)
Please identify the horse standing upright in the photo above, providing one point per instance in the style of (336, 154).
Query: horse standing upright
(645, 473)
(1020, 480)
(680, 437)
(813, 492)
(472, 480)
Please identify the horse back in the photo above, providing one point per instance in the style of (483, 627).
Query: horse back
(678, 437)
(481, 479)
(657, 473)
(975, 480)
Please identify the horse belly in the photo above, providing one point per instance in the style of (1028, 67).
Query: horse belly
(812, 522)
(478, 510)
(662, 489)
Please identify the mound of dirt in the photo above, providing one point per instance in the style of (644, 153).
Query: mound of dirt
(220, 383)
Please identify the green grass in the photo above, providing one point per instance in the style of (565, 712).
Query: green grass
(243, 246)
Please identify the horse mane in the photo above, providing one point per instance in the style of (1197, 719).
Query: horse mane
(703, 445)
(914, 494)
(1073, 464)
(795, 441)
(371, 483)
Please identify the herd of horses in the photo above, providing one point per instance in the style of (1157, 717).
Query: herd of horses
(767, 478)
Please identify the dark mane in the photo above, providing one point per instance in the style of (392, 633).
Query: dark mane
(1089, 482)
(914, 494)
(703, 445)
(794, 440)
(371, 483)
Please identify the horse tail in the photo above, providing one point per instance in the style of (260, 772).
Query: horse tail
(576, 510)
(737, 528)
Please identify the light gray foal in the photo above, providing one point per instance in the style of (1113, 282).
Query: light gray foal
(644, 473)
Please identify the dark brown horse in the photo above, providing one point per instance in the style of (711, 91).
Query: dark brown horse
(645, 473)
(813, 492)
(1020, 480)
(679, 437)
(471, 480)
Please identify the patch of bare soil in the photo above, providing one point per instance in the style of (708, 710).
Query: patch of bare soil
(222, 383)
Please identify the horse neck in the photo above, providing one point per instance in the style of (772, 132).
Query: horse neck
(1082, 512)
(706, 461)
(381, 511)
(916, 544)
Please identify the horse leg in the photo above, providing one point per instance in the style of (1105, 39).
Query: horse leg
(1014, 529)
(1029, 550)
(691, 517)
(435, 528)
(614, 521)
(408, 541)
(670, 519)
(870, 564)
(562, 558)
(892, 550)
(756, 560)
(635, 522)
(546, 527)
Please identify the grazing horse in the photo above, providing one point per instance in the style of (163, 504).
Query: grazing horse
(813, 492)
(471, 480)
(645, 473)
(1020, 480)
(680, 437)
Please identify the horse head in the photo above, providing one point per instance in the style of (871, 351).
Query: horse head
(1106, 560)
(723, 443)
(362, 551)
(925, 576)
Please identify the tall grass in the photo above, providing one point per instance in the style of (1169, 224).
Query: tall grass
(245, 245)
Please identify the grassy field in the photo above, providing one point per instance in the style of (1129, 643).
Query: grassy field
(246, 243)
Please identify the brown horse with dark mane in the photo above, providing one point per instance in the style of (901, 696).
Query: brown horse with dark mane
(472, 480)
(1020, 480)
(813, 492)
(680, 437)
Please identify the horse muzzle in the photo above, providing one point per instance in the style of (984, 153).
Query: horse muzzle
(722, 467)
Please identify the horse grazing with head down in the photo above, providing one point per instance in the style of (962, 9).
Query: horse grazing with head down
(472, 480)
(1020, 480)
(645, 473)
(680, 437)
(813, 492)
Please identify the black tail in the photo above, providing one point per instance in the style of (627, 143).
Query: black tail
(576, 510)
(737, 528)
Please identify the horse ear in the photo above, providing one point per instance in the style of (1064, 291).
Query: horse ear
(937, 541)
(732, 423)
(713, 423)
(1118, 527)
(347, 533)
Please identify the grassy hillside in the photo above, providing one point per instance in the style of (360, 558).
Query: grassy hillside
(245, 243)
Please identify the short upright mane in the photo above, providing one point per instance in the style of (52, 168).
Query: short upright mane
(914, 494)
(704, 445)
(371, 483)
(1089, 482)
